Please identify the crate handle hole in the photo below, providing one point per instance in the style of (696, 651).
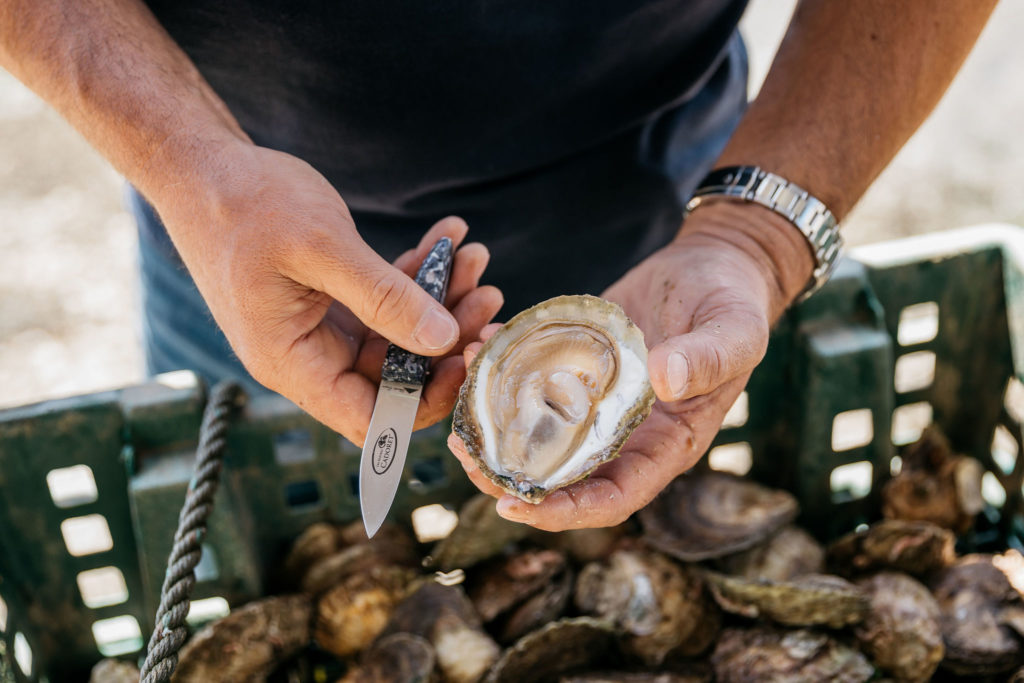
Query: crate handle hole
(23, 653)
(71, 486)
(433, 522)
(1013, 399)
(1004, 449)
(852, 429)
(914, 371)
(86, 535)
(918, 324)
(992, 491)
(851, 482)
(302, 495)
(909, 421)
(207, 609)
(739, 413)
(117, 635)
(737, 458)
(427, 474)
(102, 587)
(208, 569)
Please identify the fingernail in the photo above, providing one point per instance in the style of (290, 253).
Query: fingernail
(677, 369)
(507, 508)
(435, 330)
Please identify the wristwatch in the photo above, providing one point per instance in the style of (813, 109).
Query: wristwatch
(810, 216)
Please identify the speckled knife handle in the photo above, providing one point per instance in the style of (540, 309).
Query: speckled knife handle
(404, 366)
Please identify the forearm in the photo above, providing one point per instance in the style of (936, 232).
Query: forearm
(851, 82)
(112, 71)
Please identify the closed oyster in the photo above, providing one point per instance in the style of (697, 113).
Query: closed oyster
(790, 553)
(935, 485)
(979, 610)
(559, 648)
(399, 658)
(914, 547)
(480, 535)
(901, 632)
(553, 394)
(658, 607)
(705, 514)
(808, 600)
(249, 643)
(764, 653)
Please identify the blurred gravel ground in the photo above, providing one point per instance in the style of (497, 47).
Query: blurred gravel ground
(67, 249)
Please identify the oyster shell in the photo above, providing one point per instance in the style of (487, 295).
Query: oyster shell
(763, 653)
(978, 607)
(659, 607)
(113, 671)
(901, 632)
(553, 394)
(935, 485)
(248, 643)
(399, 658)
(559, 648)
(480, 535)
(522, 592)
(806, 601)
(640, 677)
(351, 615)
(707, 514)
(790, 553)
(446, 618)
(916, 548)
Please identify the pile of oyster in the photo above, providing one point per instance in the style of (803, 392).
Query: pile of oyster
(712, 581)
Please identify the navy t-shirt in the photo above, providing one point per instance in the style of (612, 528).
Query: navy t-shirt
(567, 134)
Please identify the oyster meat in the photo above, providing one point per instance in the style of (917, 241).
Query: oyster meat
(553, 394)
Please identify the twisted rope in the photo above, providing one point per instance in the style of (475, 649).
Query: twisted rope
(169, 632)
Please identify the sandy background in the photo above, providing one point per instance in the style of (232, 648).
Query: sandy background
(67, 249)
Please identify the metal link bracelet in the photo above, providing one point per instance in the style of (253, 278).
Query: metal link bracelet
(810, 216)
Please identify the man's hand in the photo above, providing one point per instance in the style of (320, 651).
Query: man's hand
(306, 304)
(705, 304)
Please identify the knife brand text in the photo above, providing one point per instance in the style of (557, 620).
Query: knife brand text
(384, 451)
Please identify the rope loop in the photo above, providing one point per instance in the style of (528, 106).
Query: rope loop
(170, 632)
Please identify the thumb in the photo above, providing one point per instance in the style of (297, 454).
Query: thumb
(724, 347)
(386, 300)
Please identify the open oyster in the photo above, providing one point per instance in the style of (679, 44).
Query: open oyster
(553, 394)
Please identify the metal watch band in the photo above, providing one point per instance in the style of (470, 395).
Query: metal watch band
(807, 213)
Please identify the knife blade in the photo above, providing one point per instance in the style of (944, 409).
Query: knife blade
(402, 376)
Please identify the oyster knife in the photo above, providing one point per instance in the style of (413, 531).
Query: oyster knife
(401, 383)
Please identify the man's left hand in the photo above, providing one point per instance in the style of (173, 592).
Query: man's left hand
(705, 303)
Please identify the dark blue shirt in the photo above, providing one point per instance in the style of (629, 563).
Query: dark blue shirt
(567, 134)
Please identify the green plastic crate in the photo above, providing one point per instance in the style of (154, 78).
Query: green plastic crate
(906, 332)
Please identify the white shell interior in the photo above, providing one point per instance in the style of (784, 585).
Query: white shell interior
(630, 386)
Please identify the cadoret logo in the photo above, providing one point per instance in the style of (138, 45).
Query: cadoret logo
(384, 450)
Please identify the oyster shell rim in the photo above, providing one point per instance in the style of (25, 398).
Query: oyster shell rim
(466, 428)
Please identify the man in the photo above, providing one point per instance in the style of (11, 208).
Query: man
(568, 135)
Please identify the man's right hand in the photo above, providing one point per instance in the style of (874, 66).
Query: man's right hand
(306, 304)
